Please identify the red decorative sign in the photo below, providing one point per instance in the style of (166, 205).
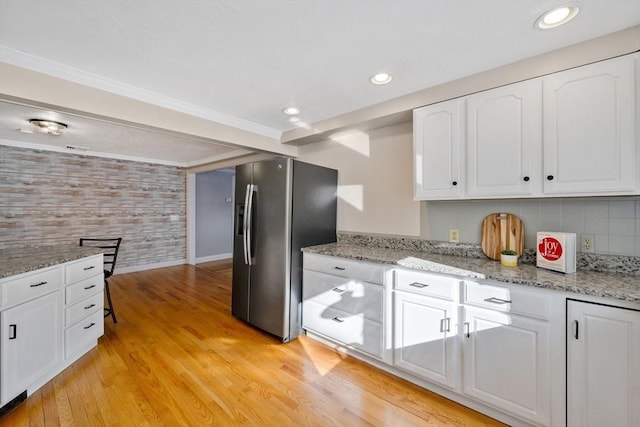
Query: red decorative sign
(550, 249)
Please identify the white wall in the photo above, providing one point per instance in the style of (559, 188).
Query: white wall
(375, 190)
(214, 215)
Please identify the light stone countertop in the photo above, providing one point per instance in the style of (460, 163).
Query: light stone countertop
(18, 261)
(620, 286)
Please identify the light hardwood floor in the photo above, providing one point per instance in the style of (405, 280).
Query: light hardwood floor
(178, 357)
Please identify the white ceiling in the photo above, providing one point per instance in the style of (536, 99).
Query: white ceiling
(241, 62)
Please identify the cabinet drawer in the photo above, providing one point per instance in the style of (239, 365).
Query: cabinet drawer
(517, 301)
(30, 286)
(427, 284)
(350, 296)
(84, 308)
(352, 330)
(358, 270)
(82, 290)
(83, 269)
(81, 335)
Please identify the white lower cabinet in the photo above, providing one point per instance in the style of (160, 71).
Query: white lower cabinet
(48, 319)
(603, 365)
(506, 362)
(343, 301)
(425, 331)
(31, 343)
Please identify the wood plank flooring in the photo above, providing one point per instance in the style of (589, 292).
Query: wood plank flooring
(177, 357)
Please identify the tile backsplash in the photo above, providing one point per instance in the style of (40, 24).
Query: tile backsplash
(614, 222)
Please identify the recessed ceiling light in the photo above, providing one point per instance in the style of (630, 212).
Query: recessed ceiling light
(381, 78)
(557, 16)
(291, 111)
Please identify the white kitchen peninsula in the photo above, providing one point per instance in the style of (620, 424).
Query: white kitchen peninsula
(51, 313)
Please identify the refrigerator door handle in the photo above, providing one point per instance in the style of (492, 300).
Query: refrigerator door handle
(245, 220)
(252, 189)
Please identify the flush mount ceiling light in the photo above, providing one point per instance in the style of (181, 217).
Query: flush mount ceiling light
(381, 78)
(291, 111)
(557, 16)
(48, 126)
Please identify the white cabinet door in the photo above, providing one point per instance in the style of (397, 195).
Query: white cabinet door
(31, 343)
(603, 366)
(503, 141)
(437, 133)
(506, 363)
(425, 337)
(590, 116)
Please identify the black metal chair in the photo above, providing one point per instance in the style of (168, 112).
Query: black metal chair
(110, 251)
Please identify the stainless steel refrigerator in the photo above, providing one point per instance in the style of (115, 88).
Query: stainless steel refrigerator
(281, 206)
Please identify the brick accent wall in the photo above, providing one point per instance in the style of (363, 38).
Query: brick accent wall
(49, 198)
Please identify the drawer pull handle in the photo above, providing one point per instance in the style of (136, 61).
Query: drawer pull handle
(339, 268)
(576, 327)
(13, 332)
(467, 332)
(337, 319)
(89, 306)
(338, 290)
(89, 268)
(35, 285)
(495, 300)
(418, 285)
(89, 287)
(89, 325)
(445, 324)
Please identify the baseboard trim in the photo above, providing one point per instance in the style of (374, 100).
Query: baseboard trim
(143, 267)
(214, 258)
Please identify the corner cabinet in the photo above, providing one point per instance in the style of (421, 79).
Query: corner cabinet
(437, 161)
(603, 365)
(590, 128)
(571, 133)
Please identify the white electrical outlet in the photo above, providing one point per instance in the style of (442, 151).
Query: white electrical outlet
(174, 217)
(588, 243)
(454, 235)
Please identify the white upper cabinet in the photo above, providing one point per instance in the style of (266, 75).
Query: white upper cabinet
(590, 116)
(572, 133)
(437, 161)
(503, 140)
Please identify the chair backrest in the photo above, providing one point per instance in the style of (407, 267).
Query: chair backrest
(110, 252)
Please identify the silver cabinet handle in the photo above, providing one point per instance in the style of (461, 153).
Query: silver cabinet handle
(35, 285)
(89, 268)
(495, 300)
(338, 290)
(467, 332)
(445, 324)
(576, 327)
(418, 285)
(337, 319)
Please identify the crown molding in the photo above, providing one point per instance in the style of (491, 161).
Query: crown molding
(56, 69)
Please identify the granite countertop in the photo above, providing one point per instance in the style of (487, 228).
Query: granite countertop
(18, 261)
(620, 286)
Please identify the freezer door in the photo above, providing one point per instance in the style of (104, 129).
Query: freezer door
(241, 270)
(269, 291)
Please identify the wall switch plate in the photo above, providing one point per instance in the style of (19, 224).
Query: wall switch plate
(174, 217)
(454, 235)
(587, 243)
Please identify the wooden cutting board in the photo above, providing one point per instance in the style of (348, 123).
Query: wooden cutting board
(501, 231)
